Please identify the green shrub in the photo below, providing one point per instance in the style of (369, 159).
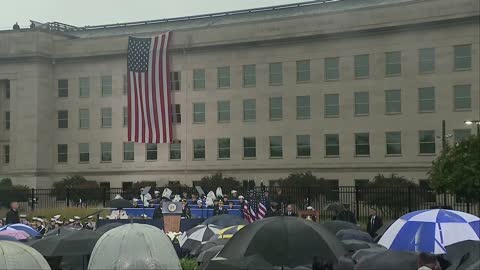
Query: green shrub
(77, 188)
(189, 264)
(10, 192)
(218, 180)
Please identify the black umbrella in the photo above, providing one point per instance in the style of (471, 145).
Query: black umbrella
(68, 244)
(354, 245)
(208, 254)
(104, 228)
(382, 230)
(336, 207)
(225, 221)
(334, 226)
(283, 241)
(205, 246)
(463, 254)
(354, 234)
(361, 253)
(119, 204)
(388, 260)
(251, 263)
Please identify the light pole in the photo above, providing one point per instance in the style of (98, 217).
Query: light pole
(474, 122)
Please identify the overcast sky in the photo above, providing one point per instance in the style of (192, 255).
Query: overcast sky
(94, 12)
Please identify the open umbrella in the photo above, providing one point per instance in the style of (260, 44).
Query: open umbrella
(388, 259)
(431, 230)
(197, 235)
(283, 241)
(463, 254)
(208, 254)
(353, 234)
(336, 207)
(19, 235)
(16, 255)
(379, 233)
(22, 227)
(361, 253)
(106, 227)
(8, 238)
(79, 243)
(336, 225)
(207, 245)
(224, 221)
(228, 232)
(119, 203)
(354, 245)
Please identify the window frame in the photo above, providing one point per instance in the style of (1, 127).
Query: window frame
(175, 80)
(63, 154)
(125, 117)
(278, 147)
(356, 104)
(303, 68)
(387, 102)
(388, 141)
(106, 86)
(422, 60)
(221, 148)
(396, 62)
(153, 151)
(6, 154)
(80, 110)
(327, 114)
(84, 87)
(62, 90)
(103, 118)
(62, 119)
(457, 88)
(336, 61)
(420, 142)
(82, 152)
(422, 100)
(126, 151)
(277, 108)
(455, 57)
(7, 120)
(102, 144)
(457, 132)
(176, 115)
(329, 145)
(306, 146)
(357, 144)
(223, 77)
(246, 110)
(272, 74)
(245, 148)
(199, 79)
(202, 149)
(171, 150)
(197, 114)
(221, 111)
(303, 107)
(357, 66)
(245, 75)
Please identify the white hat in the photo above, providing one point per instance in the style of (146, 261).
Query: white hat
(199, 201)
(156, 192)
(241, 197)
(59, 222)
(71, 220)
(100, 217)
(52, 219)
(118, 196)
(144, 215)
(233, 191)
(310, 208)
(56, 216)
(90, 217)
(23, 216)
(76, 217)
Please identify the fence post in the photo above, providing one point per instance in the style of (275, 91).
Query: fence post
(104, 196)
(67, 197)
(357, 204)
(468, 204)
(33, 199)
(308, 196)
(409, 199)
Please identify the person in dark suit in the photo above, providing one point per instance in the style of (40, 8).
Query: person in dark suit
(374, 222)
(186, 212)
(157, 213)
(273, 211)
(290, 212)
(12, 216)
(220, 210)
(346, 215)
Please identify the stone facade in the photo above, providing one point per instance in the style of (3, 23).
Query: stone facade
(33, 61)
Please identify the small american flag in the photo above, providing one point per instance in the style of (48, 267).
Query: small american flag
(262, 209)
(253, 204)
(246, 213)
(149, 107)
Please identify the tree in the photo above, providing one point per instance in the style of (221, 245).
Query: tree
(10, 192)
(218, 180)
(393, 195)
(457, 169)
(78, 188)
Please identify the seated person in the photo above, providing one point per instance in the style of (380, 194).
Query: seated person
(118, 214)
(273, 211)
(230, 206)
(184, 195)
(194, 198)
(234, 195)
(220, 210)
(200, 204)
(225, 200)
(290, 212)
(186, 213)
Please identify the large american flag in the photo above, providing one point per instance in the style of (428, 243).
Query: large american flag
(148, 94)
(262, 208)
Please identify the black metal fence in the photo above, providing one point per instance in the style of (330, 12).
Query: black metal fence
(391, 202)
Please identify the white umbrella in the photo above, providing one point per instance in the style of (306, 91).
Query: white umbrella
(14, 255)
(197, 235)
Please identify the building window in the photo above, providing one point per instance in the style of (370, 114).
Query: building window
(223, 111)
(125, 116)
(62, 119)
(426, 140)
(463, 57)
(199, 149)
(198, 112)
(7, 120)
(249, 110)
(362, 144)
(362, 106)
(461, 134)
(276, 147)
(332, 145)
(276, 108)
(275, 73)
(303, 71)
(63, 88)
(106, 150)
(175, 81)
(332, 105)
(303, 107)
(62, 153)
(393, 63)
(175, 152)
(332, 71)
(106, 117)
(426, 60)
(249, 76)
(426, 99)
(106, 86)
(151, 151)
(362, 66)
(176, 114)
(393, 101)
(84, 87)
(7, 89)
(6, 154)
(224, 148)
(394, 142)
(223, 77)
(125, 84)
(462, 97)
(303, 145)
(249, 147)
(84, 152)
(198, 79)
(128, 151)
(84, 118)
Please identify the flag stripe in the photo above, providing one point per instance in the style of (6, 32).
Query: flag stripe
(129, 108)
(162, 90)
(168, 90)
(136, 107)
(154, 86)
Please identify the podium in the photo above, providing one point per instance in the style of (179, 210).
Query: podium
(172, 213)
(314, 215)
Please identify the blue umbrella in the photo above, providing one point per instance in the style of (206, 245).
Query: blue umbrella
(22, 227)
(430, 231)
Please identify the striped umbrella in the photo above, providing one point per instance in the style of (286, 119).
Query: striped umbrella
(22, 227)
(197, 235)
(228, 232)
(431, 230)
(19, 235)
